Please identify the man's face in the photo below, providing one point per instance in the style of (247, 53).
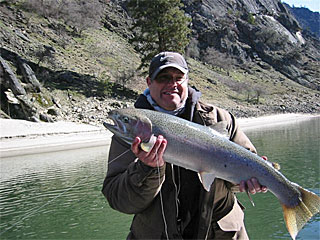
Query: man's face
(169, 89)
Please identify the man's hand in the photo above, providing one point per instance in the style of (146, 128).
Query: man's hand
(252, 185)
(154, 157)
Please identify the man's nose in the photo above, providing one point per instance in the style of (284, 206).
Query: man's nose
(175, 81)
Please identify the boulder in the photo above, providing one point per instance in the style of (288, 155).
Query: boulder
(9, 79)
(46, 118)
(28, 109)
(29, 76)
(54, 112)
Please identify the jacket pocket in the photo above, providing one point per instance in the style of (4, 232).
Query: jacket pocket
(234, 220)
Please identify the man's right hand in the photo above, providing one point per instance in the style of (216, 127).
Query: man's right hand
(154, 157)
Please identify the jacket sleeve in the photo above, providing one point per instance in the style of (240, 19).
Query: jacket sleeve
(239, 137)
(235, 132)
(212, 114)
(130, 186)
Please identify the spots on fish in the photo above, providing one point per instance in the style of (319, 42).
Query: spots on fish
(225, 165)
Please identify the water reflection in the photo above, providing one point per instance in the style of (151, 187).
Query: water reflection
(57, 195)
(296, 148)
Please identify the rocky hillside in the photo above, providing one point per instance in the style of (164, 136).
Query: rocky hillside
(310, 21)
(249, 57)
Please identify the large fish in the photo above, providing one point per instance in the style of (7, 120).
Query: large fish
(212, 154)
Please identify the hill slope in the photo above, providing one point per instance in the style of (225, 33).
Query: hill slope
(82, 76)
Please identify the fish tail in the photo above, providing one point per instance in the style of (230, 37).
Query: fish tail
(296, 217)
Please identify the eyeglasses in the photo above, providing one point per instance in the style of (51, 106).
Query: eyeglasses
(167, 78)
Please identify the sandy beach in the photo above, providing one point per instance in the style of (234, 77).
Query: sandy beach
(248, 124)
(19, 137)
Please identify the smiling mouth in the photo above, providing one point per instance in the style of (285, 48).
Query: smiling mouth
(169, 93)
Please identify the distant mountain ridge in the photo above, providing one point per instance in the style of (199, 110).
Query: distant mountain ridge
(309, 20)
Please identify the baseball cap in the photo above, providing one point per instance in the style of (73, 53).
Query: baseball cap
(167, 59)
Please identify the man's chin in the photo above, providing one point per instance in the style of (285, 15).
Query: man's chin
(172, 107)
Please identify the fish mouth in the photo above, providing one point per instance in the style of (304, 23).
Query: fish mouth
(114, 125)
(111, 125)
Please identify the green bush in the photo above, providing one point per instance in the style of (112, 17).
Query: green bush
(251, 19)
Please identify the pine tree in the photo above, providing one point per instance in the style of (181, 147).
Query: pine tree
(160, 25)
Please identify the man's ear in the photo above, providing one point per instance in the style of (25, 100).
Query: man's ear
(148, 81)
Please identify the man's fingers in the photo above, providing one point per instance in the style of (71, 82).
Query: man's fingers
(161, 151)
(242, 186)
(162, 147)
(264, 189)
(155, 155)
(152, 158)
(251, 188)
(135, 145)
(256, 185)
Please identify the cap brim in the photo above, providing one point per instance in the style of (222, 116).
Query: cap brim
(166, 66)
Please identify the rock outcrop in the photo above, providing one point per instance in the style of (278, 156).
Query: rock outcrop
(29, 76)
(250, 30)
(9, 80)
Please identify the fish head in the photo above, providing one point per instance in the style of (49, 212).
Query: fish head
(128, 124)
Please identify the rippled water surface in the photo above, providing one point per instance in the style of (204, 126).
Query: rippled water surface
(58, 195)
(296, 147)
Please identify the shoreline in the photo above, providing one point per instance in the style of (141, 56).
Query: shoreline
(20, 137)
(249, 124)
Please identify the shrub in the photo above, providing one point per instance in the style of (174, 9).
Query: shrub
(251, 19)
(218, 59)
(272, 38)
(80, 14)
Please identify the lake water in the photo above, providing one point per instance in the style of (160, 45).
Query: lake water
(296, 147)
(58, 195)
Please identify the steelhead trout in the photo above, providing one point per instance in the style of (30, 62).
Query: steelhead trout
(211, 154)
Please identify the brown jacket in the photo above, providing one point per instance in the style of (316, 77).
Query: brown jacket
(190, 212)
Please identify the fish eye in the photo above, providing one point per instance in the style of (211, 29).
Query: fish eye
(125, 119)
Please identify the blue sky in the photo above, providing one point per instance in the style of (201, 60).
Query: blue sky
(313, 5)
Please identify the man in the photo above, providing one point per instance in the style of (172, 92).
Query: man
(168, 201)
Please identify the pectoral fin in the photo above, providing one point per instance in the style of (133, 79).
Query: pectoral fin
(206, 179)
